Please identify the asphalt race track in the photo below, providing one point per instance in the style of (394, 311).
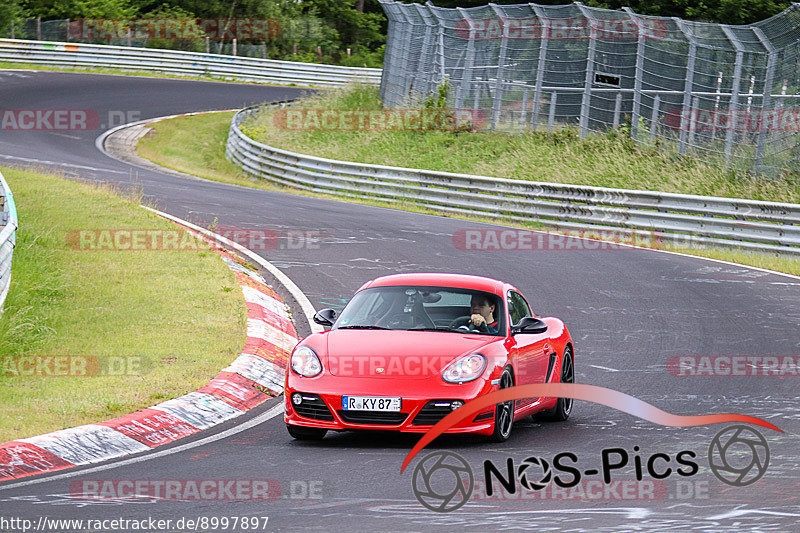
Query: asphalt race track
(628, 310)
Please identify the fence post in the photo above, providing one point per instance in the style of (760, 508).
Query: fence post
(524, 112)
(637, 80)
(587, 86)
(540, 65)
(654, 118)
(423, 70)
(617, 110)
(552, 117)
(693, 113)
(38, 28)
(766, 101)
(501, 63)
(688, 86)
(733, 105)
(469, 58)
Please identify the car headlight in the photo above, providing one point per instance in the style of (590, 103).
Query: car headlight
(465, 369)
(305, 362)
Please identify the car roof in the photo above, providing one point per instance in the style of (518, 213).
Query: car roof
(463, 281)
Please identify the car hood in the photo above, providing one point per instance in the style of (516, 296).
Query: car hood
(397, 354)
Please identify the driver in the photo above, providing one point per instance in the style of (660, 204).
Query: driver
(482, 317)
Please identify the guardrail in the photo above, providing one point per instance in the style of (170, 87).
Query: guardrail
(181, 63)
(677, 218)
(8, 227)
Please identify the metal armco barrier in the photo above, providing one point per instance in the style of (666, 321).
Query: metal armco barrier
(183, 63)
(676, 218)
(8, 227)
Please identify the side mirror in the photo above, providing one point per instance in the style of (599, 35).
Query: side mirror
(529, 324)
(325, 317)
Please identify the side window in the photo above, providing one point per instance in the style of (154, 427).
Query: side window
(517, 307)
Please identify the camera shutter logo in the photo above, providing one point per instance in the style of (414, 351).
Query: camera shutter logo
(544, 478)
(443, 481)
(738, 455)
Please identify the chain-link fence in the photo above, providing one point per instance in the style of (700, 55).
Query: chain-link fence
(726, 94)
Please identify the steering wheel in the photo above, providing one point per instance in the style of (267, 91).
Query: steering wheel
(405, 321)
(463, 322)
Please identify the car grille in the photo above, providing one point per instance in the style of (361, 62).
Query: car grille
(486, 415)
(373, 417)
(313, 407)
(432, 413)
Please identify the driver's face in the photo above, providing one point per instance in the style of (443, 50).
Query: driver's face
(482, 307)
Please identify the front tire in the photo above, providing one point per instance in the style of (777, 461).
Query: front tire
(563, 407)
(504, 412)
(306, 433)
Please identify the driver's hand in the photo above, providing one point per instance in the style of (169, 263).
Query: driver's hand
(477, 319)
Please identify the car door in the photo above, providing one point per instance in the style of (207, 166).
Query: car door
(530, 351)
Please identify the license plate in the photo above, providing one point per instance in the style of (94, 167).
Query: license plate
(370, 403)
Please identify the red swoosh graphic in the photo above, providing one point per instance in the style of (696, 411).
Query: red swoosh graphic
(589, 393)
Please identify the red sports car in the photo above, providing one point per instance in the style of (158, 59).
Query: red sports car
(410, 348)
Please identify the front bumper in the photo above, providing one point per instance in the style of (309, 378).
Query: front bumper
(322, 406)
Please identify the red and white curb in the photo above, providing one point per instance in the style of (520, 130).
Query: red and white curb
(253, 377)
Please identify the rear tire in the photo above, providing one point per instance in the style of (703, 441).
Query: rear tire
(306, 433)
(504, 412)
(563, 407)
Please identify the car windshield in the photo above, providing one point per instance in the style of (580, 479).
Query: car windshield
(419, 308)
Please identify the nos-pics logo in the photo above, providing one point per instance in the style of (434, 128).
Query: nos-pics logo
(443, 481)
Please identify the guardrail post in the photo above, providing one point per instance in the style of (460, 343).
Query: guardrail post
(688, 85)
(540, 64)
(766, 100)
(587, 87)
(501, 63)
(733, 105)
(637, 80)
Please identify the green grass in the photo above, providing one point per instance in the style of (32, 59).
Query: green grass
(178, 314)
(196, 145)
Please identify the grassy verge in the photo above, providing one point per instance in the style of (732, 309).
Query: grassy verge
(601, 160)
(156, 324)
(197, 145)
